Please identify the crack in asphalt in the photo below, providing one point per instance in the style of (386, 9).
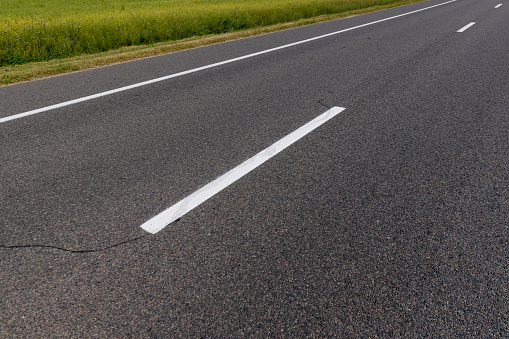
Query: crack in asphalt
(73, 251)
(321, 103)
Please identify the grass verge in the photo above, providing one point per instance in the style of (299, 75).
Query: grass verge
(36, 70)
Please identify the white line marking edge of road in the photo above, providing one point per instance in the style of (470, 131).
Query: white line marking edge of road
(148, 82)
(463, 29)
(182, 207)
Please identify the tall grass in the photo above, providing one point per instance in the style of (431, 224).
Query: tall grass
(44, 37)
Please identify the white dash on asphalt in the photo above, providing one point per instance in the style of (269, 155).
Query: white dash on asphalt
(466, 27)
(198, 69)
(498, 6)
(182, 207)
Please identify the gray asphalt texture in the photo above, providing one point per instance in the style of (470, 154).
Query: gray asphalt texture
(391, 220)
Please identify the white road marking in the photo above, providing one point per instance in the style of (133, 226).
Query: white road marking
(176, 211)
(498, 6)
(466, 27)
(148, 82)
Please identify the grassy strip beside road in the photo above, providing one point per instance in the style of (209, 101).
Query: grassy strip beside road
(86, 30)
(33, 70)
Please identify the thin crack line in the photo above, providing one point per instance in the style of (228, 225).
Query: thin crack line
(321, 103)
(74, 251)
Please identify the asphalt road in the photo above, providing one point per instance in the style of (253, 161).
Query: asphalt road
(389, 220)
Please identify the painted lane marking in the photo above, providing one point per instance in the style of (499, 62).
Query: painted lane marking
(466, 27)
(148, 82)
(498, 6)
(176, 211)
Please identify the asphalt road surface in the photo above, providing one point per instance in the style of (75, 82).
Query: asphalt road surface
(391, 219)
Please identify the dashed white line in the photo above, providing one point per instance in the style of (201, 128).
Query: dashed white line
(144, 83)
(176, 211)
(466, 27)
(498, 6)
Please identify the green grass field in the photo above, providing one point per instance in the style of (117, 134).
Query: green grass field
(35, 30)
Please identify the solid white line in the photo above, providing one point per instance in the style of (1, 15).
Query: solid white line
(498, 6)
(466, 27)
(144, 83)
(176, 211)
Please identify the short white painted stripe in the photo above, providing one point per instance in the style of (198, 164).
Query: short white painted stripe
(148, 82)
(498, 6)
(466, 27)
(176, 211)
